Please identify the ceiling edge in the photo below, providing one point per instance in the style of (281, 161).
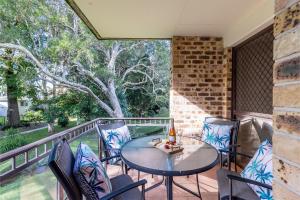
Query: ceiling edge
(82, 16)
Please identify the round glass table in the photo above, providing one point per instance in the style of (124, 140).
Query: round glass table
(195, 158)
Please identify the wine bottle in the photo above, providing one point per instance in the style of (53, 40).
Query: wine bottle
(172, 133)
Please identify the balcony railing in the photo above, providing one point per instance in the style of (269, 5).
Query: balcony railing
(14, 162)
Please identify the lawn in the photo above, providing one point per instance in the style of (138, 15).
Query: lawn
(29, 138)
(2, 120)
(42, 133)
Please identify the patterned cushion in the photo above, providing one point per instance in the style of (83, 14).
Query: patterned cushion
(90, 174)
(115, 139)
(217, 135)
(260, 169)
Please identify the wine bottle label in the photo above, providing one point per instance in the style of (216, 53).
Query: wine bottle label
(171, 138)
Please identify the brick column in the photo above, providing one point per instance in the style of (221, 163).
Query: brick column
(286, 100)
(200, 77)
(227, 82)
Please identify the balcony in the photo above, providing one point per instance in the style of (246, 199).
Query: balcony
(24, 170)
(232, 59)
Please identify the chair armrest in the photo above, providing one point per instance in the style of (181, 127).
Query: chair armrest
(246, 180)
(234, 153)
(109, 158)
(124, 189)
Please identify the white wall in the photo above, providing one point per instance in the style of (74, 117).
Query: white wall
(22, 109)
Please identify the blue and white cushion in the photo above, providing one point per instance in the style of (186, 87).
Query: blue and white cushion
(90, 174)
(260, 169)
(217, 135)
(115, 139)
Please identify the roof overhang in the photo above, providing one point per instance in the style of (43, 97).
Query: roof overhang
(162, 19)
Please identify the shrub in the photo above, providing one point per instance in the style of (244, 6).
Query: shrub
(12, 140)
(33, 116)
(63, 120)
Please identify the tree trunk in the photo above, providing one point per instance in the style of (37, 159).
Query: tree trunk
(113, 98)
(50, 128)
(13, 116)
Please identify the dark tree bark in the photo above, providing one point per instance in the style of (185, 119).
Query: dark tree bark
(13, 115)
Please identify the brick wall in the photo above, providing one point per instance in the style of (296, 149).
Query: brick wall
(200, 81)
(227, 82)
(286, 100)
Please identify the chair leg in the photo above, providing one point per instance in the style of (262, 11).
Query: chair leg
(139, 175)
(235, 168)
(143, 192)
(126, 169)
(122, 166)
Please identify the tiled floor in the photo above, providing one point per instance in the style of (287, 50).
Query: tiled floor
(208, 185)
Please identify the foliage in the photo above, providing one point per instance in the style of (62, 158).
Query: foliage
(63, 120)
(13, 140)
(121, 78)
(33, 116)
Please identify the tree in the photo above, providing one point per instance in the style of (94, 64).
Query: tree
(66, 54)
(17, 80)
(10, 78)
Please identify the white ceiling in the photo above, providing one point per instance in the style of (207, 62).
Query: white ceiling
(166, 18)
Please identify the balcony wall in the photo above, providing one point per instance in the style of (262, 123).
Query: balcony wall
(201, 81)
(286, 100)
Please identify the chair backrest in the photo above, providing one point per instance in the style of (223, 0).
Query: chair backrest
(61, 162)
(224, 121)
(110, 126)
(264, 131)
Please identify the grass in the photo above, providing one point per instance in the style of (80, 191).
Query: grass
(42, 133)
(29, 138)
(145, 130)
(2, 120)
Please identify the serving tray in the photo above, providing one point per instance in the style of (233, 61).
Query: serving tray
(161, 146)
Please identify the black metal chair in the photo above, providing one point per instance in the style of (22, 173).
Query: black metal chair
(61, 162)
(232, 186)
(233, 137)
(103, 147)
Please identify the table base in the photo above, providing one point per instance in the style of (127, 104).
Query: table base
(169, 186)
(155, 185)
(190, 191)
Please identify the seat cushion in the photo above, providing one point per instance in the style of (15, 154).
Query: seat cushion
(114, 140)
(240, 191)
(260, 169)
(90, 174)
(217, 135)
(121, 181)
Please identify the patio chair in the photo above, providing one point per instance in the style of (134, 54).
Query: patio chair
(233, 186)
(61, 162)
(232, 140)
(105, 147)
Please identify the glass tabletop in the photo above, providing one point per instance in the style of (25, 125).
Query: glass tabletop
(196, 157)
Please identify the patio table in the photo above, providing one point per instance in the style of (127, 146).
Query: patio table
(196, 157)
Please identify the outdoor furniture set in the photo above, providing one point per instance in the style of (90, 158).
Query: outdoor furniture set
(84, 174)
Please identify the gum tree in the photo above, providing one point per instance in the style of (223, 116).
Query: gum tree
(65, 54)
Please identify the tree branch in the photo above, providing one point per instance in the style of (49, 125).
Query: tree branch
(63, 81)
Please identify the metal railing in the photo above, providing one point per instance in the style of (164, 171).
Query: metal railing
(25, 156)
